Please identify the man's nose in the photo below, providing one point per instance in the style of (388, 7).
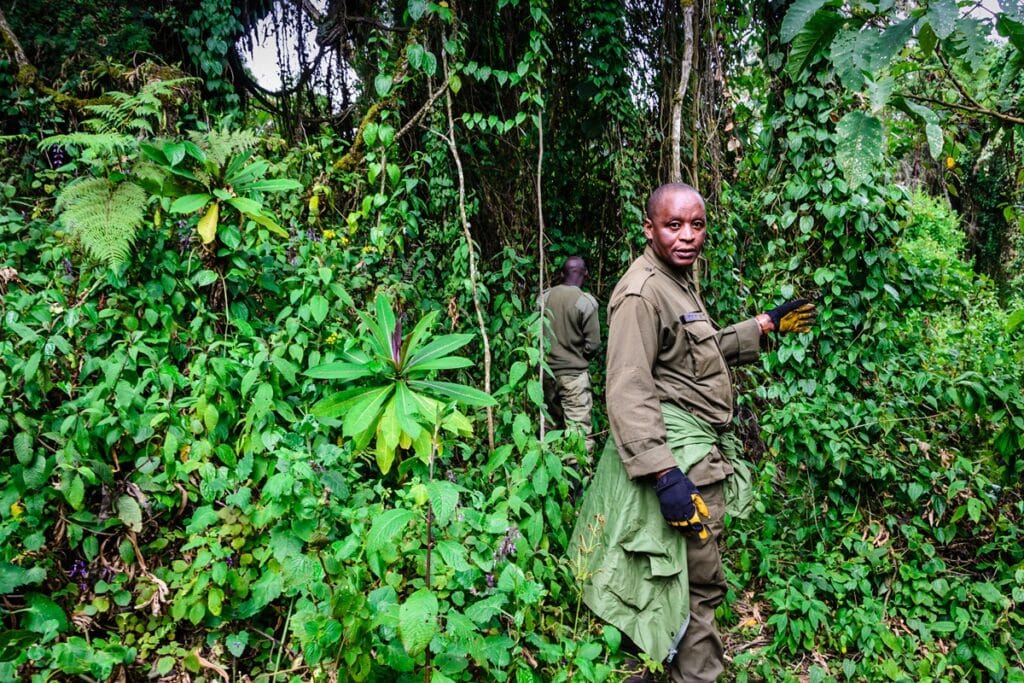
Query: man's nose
(686, 234)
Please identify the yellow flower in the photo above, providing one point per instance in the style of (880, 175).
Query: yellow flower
(17, 509)
(950, 162)
(329, 234)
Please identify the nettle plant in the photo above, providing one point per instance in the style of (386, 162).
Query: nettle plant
(392, 397)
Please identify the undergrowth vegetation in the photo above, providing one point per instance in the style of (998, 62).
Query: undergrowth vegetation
(271, 401)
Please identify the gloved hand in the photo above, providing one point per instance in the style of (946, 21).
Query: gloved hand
(681, 503)
(793, 316)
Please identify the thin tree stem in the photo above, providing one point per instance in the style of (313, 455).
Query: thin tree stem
(450, 139)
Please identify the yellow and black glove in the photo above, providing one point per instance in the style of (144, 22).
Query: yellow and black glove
(681, 503)
(793, 316)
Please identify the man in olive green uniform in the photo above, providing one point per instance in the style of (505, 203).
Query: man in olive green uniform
(574, 335)
(664, 348)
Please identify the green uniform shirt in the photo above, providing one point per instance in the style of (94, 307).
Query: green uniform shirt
(573, 329)
(663, 347)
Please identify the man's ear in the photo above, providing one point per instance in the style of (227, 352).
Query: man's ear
(648, 228)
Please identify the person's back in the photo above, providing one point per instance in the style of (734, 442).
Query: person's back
(573, 330)
(574, 335)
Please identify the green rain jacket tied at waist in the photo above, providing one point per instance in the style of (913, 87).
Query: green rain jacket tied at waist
(636, 576)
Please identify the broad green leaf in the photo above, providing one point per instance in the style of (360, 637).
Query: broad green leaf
(891, 41)
(269, 223)
(386, 527)
(414, 53)
(389, 432)
(444, 363)
(812, 42)
(846, 55)
(859, 146)
(362, 417)
(74, 491)
(1012, 30)
(454, 555)
(382, 84)
(272, 185)
(250, 207)
(438, 348)
(338, 404)
(205, 277)
(942, 16)
(797, 17)
(215, 600)
(236, 643)
(44, 615)
(12, 576)
(411, 345)
(417, 621)
(406, 408)
(460, 393)
(991, 658)
(207, 227)
(379, 341)
(318, 307)
(346, 372)
(190, 203)
(386, 319)
(129, 512)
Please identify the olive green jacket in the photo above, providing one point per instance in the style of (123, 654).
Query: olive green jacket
(573, 329)
(633, 563)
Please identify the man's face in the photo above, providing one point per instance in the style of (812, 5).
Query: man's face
(677, 228)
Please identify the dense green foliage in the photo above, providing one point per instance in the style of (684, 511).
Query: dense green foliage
(237, 441)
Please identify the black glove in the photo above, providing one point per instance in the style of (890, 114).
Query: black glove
(793, 316)
(681, 503)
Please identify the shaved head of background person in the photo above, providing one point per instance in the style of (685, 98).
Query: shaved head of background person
(655, 571)
(574, 335)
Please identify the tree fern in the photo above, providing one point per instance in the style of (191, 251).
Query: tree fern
(103, 216)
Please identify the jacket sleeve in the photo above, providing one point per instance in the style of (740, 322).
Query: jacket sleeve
(634, 409)
(740, 343)
(591, 330)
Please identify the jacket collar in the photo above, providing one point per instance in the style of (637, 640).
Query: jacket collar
(684, 278)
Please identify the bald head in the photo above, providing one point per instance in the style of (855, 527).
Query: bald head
(574, 271)
(659, 195)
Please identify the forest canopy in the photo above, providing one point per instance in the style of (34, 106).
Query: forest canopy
(271, 357)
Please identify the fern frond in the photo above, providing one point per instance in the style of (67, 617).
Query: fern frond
(221, 145)
(103, 216)
(100, 144)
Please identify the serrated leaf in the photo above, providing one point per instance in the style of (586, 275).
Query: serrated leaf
(859, 146)
(74, 492)
(454, 555)
(891, 41)
(942, 16)
(23, 447)
(797, 17)
(444, 498)
(417, 621)
(386, 528)
(129, 512)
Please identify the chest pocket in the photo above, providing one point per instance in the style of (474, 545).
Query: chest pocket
(704, 356)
